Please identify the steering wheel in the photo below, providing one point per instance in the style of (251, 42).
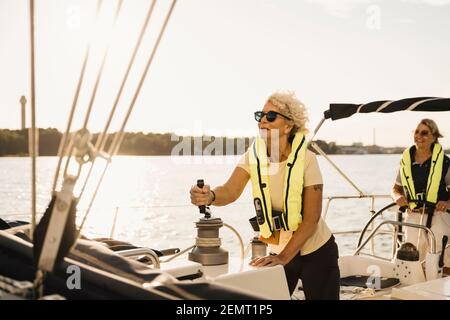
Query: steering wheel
(399, 214)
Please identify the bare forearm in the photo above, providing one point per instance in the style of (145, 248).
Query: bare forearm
(396, 192)
(221, 195)
(231, 190)
(312, 200)
(224, 196)
(303, 233)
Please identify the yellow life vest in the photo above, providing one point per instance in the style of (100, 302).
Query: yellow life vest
(434, 177)
(293, 185)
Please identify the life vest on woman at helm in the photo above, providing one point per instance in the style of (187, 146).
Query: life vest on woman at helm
(292, 191)
(434, 177)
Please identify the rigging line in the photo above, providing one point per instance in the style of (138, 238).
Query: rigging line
(94, 92)
(91, 168)
(116, 145)
(100, 71)
(88, 210)
(71, 146)
(63, 142)
(102, 138)
(33, 120)
(118, 137)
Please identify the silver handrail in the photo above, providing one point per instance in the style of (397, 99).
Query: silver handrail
(362, 196)
(405, 224)
(372, 197)
(374, 256)
(149, 253)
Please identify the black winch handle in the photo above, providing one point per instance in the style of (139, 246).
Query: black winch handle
(441, 258)
(201, 184)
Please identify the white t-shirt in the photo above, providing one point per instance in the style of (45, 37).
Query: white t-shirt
(311, 177)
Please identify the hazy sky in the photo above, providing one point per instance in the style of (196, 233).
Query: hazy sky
(220, 59)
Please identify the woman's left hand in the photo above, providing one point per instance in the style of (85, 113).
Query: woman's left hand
(443, 206)
(268, 261)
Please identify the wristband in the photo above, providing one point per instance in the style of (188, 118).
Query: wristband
(214, 197)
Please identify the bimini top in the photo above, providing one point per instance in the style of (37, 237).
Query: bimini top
(345, 110)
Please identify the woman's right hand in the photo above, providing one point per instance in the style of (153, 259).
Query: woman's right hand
(401, 201)
(200, 196)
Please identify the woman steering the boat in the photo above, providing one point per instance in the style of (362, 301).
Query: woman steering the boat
(287, 195)
(424, 175)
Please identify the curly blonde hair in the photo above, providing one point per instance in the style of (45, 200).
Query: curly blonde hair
(293, 108)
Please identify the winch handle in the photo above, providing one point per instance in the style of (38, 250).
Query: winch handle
(201, 184)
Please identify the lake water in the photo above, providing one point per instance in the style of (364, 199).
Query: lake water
(151, 195)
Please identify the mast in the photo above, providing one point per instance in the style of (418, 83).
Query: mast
(33, 122)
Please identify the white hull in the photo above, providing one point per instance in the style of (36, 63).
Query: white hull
(267, 283)
(270, 283)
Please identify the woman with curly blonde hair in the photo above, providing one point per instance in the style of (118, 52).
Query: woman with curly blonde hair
(287, 195)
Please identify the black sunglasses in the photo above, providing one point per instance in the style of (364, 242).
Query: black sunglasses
(422, 133)
(271, 116)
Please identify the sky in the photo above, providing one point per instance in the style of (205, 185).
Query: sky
(219, 60)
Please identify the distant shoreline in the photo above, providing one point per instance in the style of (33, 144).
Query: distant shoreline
(14, 143)
(163, 155)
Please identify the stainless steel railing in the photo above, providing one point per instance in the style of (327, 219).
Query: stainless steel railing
(432, 238)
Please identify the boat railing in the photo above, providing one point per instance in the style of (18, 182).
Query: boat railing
(430, 234)
(141, 252)
(325, 215)
(373, 199)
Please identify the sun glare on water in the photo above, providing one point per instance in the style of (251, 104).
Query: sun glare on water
(123, 191)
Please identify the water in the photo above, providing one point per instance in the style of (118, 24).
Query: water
(152, 197)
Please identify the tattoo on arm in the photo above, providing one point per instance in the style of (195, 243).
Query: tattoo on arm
(318, 187)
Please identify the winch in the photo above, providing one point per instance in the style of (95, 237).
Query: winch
(207, 250)
(259, 248)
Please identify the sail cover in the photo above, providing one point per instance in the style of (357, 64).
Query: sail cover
(345, 110)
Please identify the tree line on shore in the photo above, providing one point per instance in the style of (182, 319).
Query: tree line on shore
(15, 143)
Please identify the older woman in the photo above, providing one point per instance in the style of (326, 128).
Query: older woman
(287, 194)
(424, 175)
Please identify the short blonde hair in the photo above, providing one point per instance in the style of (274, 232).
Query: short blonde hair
(433, 127)
(291, 107)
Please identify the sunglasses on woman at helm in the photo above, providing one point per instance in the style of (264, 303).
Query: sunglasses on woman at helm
(271, 116)
(422, 133)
